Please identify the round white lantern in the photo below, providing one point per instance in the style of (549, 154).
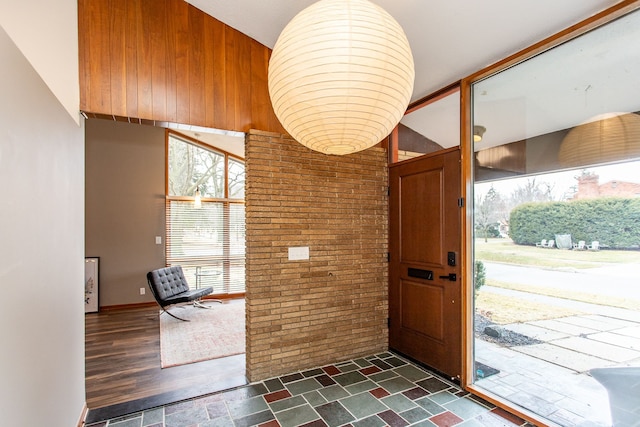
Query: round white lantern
(604, 138)
(341, 76)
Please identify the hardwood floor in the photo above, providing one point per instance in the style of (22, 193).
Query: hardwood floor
(122, 362)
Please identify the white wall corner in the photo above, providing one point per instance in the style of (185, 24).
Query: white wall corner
(46, 33)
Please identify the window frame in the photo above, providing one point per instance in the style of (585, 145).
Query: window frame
(226, 259)
(467, 159)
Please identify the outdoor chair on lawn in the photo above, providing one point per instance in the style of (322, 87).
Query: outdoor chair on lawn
(594, 246)
(169, 287)
(580, 246)
(542, 244)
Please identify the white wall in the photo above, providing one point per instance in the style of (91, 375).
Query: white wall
(41, 250)
(46, 32)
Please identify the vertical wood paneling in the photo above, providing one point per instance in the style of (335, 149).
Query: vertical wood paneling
(231, 57)
(196, 66)
(259, 63)
(117, 59)
(131, 58)
(209, 46)
(158, 14)
(261, 108)
(83, 34)
(145, 98)
(98, 58)
(166, 61)
(219, 72)
(243, 99)
(171, 84)
(180, 15)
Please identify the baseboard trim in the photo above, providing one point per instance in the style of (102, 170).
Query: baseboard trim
(83, 415)
(238, 295)
(127, 306)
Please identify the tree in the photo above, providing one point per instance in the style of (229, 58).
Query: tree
(236, 177)
(532, 192)
(489, 211)
(192, 167)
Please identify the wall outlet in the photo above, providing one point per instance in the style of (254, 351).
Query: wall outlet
(142, 291)
(158, 240)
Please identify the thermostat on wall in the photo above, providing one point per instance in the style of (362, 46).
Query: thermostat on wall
(298, 253)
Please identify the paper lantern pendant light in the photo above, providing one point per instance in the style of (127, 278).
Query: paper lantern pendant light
(605, 138)
(341, 76)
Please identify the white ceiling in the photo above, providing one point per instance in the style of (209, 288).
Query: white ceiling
(229, 141)
(591, 75)
(450, 39)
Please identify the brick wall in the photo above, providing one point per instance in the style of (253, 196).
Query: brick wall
(333, 306)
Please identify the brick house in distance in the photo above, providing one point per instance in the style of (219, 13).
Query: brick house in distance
(589, 187)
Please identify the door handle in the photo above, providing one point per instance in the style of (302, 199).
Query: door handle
(451, 277)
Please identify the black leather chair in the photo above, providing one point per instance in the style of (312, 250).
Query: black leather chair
(169, 286)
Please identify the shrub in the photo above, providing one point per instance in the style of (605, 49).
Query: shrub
(479, 275)
(488, 231)
(614, 222)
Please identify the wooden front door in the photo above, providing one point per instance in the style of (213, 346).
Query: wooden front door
(425, 306)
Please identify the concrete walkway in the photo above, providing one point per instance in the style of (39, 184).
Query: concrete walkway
(552, 378)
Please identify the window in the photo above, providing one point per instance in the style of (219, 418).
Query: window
(207, 241)
(556, 232)
(429, 127)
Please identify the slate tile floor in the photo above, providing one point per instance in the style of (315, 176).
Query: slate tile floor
(376, 391)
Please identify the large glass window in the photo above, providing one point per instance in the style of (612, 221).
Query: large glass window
(556, 230)
(192, 166)
(236, 179)
(430, 127)
(206, 239)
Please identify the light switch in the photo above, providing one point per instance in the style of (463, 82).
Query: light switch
(158, 240)
(298, 253)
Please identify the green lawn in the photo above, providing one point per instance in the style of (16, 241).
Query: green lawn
(504, 250)
(503, 309)
(620, 302)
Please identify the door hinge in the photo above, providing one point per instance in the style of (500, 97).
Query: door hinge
(388, 322)
(461, 202)
(389, 191)
(388, 256)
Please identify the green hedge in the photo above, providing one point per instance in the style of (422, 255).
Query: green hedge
(614, 222)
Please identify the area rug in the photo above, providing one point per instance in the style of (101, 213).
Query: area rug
(210, 334)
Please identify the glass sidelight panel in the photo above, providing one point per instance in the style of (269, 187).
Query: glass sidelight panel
(556, 226)
(432, 127)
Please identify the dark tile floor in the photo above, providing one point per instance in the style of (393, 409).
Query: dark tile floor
(376, 391)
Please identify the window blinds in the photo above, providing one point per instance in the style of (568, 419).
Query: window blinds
(209, 243)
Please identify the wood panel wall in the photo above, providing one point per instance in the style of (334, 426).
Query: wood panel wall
(167, 61)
